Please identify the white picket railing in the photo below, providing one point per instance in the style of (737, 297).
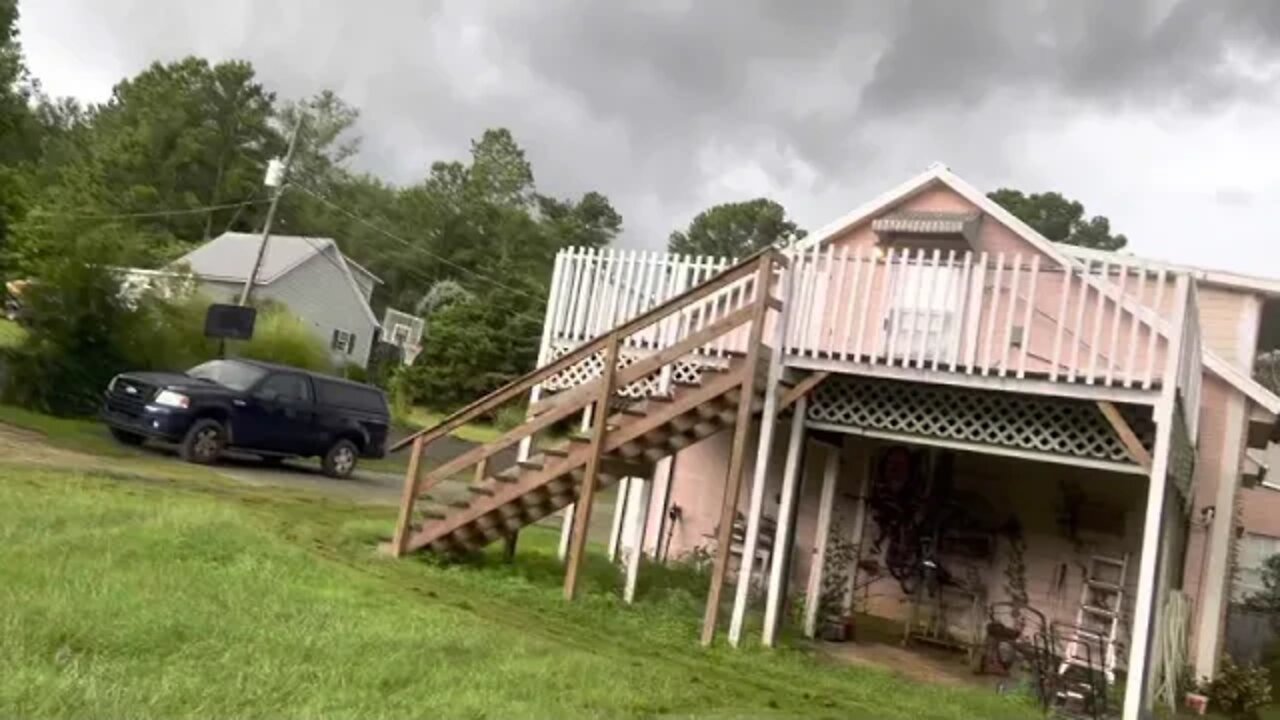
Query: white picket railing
(595, 290)
(1015, 316)
(1098, 322)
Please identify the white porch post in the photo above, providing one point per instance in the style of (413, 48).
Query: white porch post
(785, 532)
(760, 474)
(619, 517)
(663, 479)
(813, 596)
(1141, 633)
(640, 491)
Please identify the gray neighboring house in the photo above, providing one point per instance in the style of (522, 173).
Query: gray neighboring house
(322, 287)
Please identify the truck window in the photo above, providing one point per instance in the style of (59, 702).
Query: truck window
(287, 387)
(350, 396)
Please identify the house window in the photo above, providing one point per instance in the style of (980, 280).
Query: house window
(343, 341)
(1254, 550)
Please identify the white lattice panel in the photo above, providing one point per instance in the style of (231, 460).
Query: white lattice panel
(1054, 425)
(685, 370)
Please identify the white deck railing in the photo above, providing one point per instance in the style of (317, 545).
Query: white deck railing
(1096, 323)
(1099, 322)
(595, 290)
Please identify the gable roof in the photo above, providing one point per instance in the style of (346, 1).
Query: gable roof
(939, 174)
(229, 258)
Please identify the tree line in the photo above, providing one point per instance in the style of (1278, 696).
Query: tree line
(176, 156)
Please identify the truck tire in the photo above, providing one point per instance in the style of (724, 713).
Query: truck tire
(203, 442)
(340, 460)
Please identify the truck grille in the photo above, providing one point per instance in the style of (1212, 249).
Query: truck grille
(129, 397)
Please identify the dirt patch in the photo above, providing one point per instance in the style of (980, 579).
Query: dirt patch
(32, 447)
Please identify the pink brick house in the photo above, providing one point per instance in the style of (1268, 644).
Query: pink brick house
(973, 415)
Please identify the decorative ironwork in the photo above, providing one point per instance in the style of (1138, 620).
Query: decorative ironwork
(1063, 426)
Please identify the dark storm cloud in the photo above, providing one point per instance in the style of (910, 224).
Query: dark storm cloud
(654, 103)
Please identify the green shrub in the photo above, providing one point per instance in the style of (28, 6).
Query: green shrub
(1239, 690)
(280, 337)
(79, 333)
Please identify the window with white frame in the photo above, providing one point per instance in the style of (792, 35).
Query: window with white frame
(1253, 551)
(343, 341)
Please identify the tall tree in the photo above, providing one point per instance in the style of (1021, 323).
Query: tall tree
(178, 136)
(1059, 219)
(736, 230)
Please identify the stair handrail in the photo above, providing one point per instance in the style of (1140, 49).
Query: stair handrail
(524, 383)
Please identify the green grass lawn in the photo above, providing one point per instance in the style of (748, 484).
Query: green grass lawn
(123, 596)
(11, 334)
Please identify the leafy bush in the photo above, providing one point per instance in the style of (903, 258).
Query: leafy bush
(81, 331)
(280, 337)
(1239, 690)
(472, 348)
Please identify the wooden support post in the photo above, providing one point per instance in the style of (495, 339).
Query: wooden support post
(566, 531)
(1127, 436)
(566, 522)
(619, 517)
(737, 453)
(760, 476)
(509, 547)
(804, 387)
(408, 499)
(591, 478)
(785, 532)
(641, 490)
(821, 536)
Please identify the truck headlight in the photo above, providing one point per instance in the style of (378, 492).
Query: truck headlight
(169, 398)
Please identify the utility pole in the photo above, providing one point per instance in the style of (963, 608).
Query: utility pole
(271, 211)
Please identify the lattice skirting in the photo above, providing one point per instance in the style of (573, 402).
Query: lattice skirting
(687, 370)
(1073, 428)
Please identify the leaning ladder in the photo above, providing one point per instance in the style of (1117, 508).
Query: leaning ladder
(1098, 618)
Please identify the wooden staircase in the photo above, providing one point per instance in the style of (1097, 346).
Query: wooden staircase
(638, 435)
(641, 411)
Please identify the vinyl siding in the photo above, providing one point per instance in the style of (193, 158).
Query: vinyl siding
(319, 293)
(1229, 324)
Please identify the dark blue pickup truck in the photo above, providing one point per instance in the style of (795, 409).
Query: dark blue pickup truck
(268, 410)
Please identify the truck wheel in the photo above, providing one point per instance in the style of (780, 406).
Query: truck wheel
(124, 437)
(203, 442)
(340, 460)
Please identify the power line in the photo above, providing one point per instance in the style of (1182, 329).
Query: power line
(413, 246)
(150, 213)
(321, 251)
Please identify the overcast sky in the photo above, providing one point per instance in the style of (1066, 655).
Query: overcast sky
(1162, 116)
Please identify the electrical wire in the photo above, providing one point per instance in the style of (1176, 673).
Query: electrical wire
(321, 251)
(417, 247)
(147, 214)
